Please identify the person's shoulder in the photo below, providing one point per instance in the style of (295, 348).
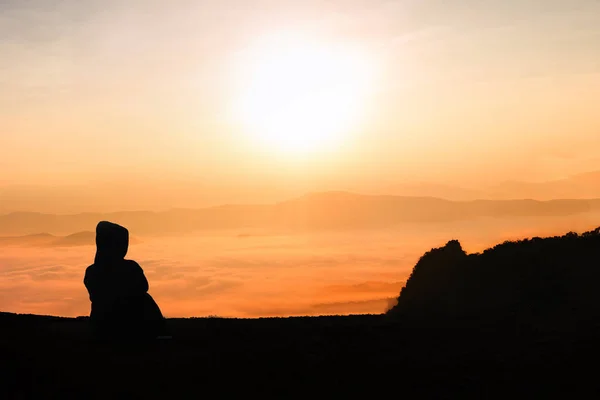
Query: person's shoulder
(131, 264)
(90, 269)
(90, 273)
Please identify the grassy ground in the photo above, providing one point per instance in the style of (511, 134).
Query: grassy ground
(325, 357)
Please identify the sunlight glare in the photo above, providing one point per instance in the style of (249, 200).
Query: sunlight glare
(300, 95)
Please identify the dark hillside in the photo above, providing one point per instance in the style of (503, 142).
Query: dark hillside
(552, 282)
(324, 357)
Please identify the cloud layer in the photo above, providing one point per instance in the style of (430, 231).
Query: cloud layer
(225, 274)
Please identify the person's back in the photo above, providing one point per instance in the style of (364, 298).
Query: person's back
(118, 289)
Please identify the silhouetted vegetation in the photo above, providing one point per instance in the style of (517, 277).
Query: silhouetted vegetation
(538, 280)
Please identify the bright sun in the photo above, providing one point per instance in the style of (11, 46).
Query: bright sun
(298, 95)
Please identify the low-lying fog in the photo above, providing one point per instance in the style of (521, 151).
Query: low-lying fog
(251, 274)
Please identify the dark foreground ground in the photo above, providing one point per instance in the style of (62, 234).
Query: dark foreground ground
(326, 357)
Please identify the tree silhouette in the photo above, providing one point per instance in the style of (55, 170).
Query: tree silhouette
(538, 280)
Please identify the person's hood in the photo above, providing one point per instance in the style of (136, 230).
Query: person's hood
(112, 242)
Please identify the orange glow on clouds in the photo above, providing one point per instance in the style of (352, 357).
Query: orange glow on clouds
(222, 273)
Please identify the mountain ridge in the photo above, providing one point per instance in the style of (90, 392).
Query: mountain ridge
(61, 199)
(315, 210)
(83, 238)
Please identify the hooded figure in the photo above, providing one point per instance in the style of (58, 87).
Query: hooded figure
(118, 289)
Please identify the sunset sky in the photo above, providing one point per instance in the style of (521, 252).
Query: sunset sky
(111, 105)
(297, 94)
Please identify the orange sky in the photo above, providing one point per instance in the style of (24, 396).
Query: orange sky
(460, 92)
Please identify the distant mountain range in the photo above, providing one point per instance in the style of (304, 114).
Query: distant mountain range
(581, 186)
(155, 195)
(317, 211)
(87, 238)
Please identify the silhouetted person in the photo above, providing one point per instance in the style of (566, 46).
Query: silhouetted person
(118, 289)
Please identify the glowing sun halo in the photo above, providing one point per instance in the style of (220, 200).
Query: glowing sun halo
(297, 95)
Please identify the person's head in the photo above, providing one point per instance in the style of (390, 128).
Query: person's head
(112, 242)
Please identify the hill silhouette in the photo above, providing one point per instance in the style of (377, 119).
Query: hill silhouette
(583, 186)
(85, 238)
(551, 282)
(76, 239)
(27, 240)
(579, 186)
(317, 211)
(184, 194)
